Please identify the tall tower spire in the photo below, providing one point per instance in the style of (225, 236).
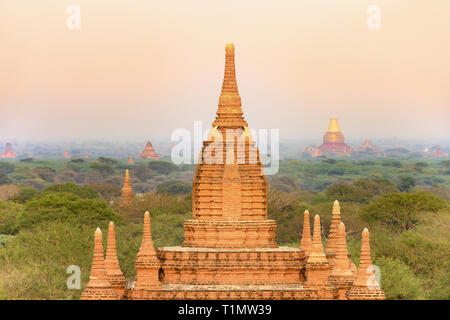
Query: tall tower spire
(127, 193)
(332, 242)
(229, 113)
(98, 287)
(305, 244)
(115, 275)
(317, 267)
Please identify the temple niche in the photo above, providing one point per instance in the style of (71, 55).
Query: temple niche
(229, 251)
(149, 152)
(333, 143)
(8, 152)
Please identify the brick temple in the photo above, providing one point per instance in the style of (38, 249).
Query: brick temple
(229, 251)
(333, 142)
(149, 152)
(8, 152)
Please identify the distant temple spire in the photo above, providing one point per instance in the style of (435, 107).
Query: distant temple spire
(149, 152)
(305, 243)
(98, 287)
(130, 160)
(8, 152)
(115, 275)
(127, 192)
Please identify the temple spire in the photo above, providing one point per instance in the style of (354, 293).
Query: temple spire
(341, 261)
(127, 192)
(365, 286)
(334, 126)
(98, 287)
(229, 113)
(316, 253)
(147, 263)
(305, 243)
(229, 86)
(115, 275)
(334, 230)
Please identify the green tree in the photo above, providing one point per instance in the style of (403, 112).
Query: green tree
(84, 192)
(4, 179)
(6, 168)
(162, 167)
(103, 168)
(406, 183)
(174, 187)
(401, 211)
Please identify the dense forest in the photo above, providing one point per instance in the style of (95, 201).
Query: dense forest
(49, 210)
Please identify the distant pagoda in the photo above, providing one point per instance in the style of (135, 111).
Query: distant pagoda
(8, 152)
(333, 142)
(149, 152)
(130, 160)
(367, 146)
(66, 154)
(229, 251)
(437, 153)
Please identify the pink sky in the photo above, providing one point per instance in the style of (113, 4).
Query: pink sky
(145, 68)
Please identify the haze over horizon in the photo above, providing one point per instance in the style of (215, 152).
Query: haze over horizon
(141, 69)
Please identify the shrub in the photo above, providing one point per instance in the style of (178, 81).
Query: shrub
(174, 187)
(25, 194)
(284, 183)
(6, 168)
(103, 168)
(65, 207)
(9, 212)
(406, 183)
(401, 211)
(4, 179)
(106, 190)
(162, 167)
(398, 281)
(107, 160)
(83, 192)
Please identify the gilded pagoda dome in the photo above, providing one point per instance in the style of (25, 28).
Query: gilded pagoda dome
(333, 134)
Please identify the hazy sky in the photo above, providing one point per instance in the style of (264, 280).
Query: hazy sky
(145, 68)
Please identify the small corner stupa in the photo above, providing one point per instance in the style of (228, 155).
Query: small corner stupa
(127, 192)
(8, 152)
(229, 251)
(99, 287)
(333, 142)
(149, 152)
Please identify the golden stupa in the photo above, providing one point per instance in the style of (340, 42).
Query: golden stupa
(333, 142)
(333, 134)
